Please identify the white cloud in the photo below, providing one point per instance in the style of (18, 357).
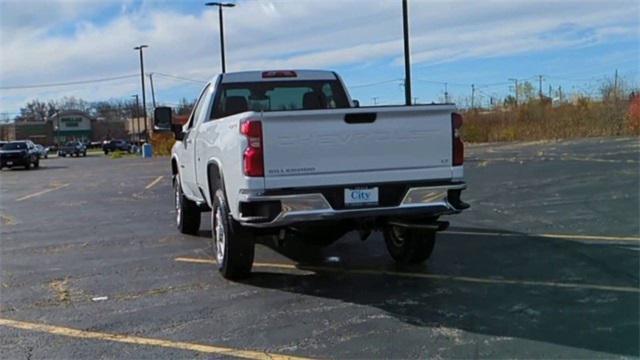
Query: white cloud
(282, 34)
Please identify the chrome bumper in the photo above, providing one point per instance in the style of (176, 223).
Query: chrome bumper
(431, 201)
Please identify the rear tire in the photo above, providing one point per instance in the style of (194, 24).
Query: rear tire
(36, 164)
(187, 212)
(232, 245)
(27, 166)
(409, 246)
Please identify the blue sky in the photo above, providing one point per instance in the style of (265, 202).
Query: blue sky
(573, 44)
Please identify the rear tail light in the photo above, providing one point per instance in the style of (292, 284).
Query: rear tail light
(458, 145)
(253, 159)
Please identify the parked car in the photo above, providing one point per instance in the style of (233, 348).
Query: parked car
(72, 148)
(113, 145)
(289, 152)
(43, 151)
(19, 153)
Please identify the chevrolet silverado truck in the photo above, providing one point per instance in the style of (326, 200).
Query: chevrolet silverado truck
(289, 154)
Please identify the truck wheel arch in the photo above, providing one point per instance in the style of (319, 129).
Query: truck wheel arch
(174, 166)
(215, 179)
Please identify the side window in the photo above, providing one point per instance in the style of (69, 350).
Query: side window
(194, 112)
(203, 106)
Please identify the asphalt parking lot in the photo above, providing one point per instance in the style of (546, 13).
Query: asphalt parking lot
(545, 264)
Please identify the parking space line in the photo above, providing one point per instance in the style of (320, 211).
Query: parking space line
(154, 182)
(41, 192)
(554, 236)
(429, 276)
(136, 340)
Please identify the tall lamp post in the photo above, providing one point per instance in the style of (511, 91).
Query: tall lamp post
(220, 6)
(144, 98)
(137, 114)
(407, 53)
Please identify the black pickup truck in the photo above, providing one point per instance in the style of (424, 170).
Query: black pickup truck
(19, 153)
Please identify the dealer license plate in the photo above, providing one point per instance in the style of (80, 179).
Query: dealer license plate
(361, 196)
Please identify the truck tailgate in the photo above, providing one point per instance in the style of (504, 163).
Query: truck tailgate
(357, 146)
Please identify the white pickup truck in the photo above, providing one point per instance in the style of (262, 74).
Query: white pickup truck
(289, 154)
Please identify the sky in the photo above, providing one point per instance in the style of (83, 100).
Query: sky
(573, 44)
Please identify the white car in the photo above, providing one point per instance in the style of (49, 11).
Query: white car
(287, 152)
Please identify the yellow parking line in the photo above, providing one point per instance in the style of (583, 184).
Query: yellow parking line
(42, 192)
(121, 338)
(556, 236)
(154, 182)
(429, 276)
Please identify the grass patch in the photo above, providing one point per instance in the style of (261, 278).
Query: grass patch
(537, 120)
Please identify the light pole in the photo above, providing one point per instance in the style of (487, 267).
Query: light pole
(220, 6)
(137, 114)
(407, 60)
(144, 98)
(516, 89)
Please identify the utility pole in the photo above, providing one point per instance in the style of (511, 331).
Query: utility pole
(407, 60)
(144, 98)
(615, 87)
(446, 94)
(137, 115)
(560, 94)
(375, 100)
(415, 100)
(516, 89)
(473, 95)
(153, 92)
(540, 87)
(220, 6)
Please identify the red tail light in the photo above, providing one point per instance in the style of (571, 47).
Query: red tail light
(253, 161)
(458, 145)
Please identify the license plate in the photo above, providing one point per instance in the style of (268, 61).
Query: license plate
(362, 196)
(9, 162)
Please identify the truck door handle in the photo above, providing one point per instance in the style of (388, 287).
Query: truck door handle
(360, 118)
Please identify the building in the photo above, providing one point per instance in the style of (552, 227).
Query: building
(71, 125)
(65, 126)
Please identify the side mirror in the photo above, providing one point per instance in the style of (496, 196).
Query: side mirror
(355, 103)
(162, 116)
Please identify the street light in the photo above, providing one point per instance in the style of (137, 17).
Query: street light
(407, 53)
(137, 114)
(144, 98)
(220, 6)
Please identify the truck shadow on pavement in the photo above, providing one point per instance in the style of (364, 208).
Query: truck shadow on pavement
(586, 318)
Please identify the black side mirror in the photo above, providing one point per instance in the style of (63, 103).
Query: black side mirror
(162, 116)
(356, 103)
(163, 122)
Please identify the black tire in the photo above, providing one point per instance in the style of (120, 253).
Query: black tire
(36, 164)
(187, 212)
(27, 166)
(106, 152)
(84, 154)
(233, 246)
(409, 246)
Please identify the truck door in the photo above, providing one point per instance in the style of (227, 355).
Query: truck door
(187, 148)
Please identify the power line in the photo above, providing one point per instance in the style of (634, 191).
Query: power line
(375, 83)
(179, 77)
(80, 82)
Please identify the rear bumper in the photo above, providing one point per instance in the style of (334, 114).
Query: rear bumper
(264, 211)
(15, 161)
